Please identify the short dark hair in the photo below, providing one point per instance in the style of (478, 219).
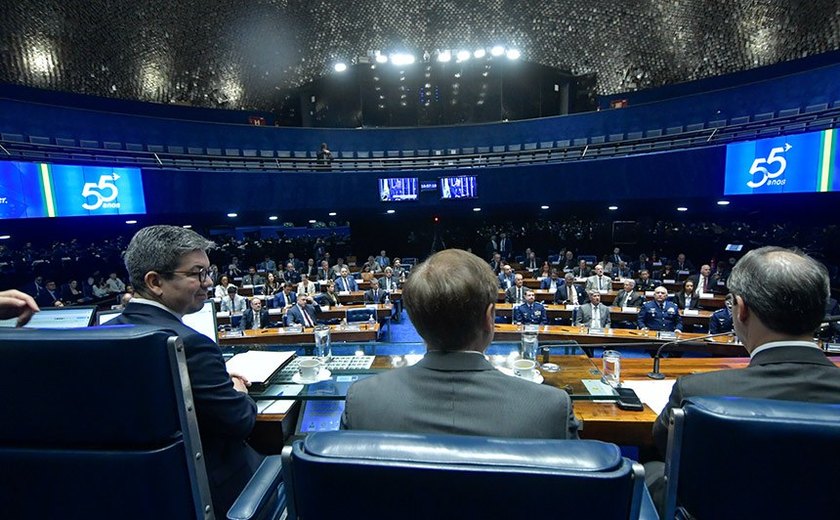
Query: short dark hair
(786, 289)
(160, 249)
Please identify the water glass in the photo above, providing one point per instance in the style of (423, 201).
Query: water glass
(528, 345)
(323, 350)
(611, 360)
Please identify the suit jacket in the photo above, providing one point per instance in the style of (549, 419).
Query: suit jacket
(458, 393)
(679, 299)
(533, 314)
(225, 416)
(696, 279)
(294, 314)
(592, 283)
(47, 299)
(654, 318)
(584, 316)
(631, 299)
(378, 298)
(504, 280)
(649, 285)
(351, 284)
(545, 283)
(789, 373)
(385, 285)
(282, 299)
(562, 294)
(510, 294)
(581, 273)
(247, 321)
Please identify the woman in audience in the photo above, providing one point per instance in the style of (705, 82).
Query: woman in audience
(222, 289)
(366, 273)
(100, 290)
(71, 293)
(545, 271)
(331, 297)
(271, 286)
(686, 298)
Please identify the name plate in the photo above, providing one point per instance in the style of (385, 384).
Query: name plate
(275, 311)
(325, 308)
(632, 310)
(345, 293)
(691, 312)
(596, 332)
(664, 334)
(222, 314)
(706, 296)
(669, 281)
(684, 271)
(572, 307)
(648, 293)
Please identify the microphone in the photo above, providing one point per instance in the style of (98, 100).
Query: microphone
(656, 374)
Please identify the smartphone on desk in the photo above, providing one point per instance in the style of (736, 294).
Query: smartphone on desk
(628, 400)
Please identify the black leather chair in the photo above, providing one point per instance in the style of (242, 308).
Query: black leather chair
(732, 457)
(98, 423)
(349, 474)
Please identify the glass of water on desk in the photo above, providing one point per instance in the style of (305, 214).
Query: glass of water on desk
(611, 360)
(323, 350)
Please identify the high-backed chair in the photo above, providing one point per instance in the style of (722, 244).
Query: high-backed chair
(350, 474)
(732, 457)
(99, 423)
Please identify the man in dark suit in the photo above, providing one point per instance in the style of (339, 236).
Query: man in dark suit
(628, 297)
(570, 293)
(553, 282)
(285, 298)
(255, 317)
(530, 312)
(516, 293)
(302, 313)
(581, 271)
(593, 314)
(49, 296)
(703, 280)
(345, 282)
(167, 266)
(645, 282)
(454, 389)
(775, 316)
(374, 294)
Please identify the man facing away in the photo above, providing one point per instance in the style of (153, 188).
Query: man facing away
(451, 300)
(167, 266)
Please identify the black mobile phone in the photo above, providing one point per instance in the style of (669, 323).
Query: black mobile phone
(628, 400)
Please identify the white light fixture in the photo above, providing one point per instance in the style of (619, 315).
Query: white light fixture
(131, 222)
(381, 58)
(273, 217)
(476, 209)
(5, 237)
(187, 226)
(543, 207)
(332, 213)
(723, 203)
(513, 54)
(479, 53)
(391, 211)
(232, 215)
(340, 67)
(463, 55)
(312, 221)
(497, 51)
(682, 208)
(444, 56)
(400, 59)
(612, 208)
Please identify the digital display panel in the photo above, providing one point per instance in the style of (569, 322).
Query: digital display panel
(461, 187)
(801, 163)
(57, 318)
(37, 190)
(398, 189)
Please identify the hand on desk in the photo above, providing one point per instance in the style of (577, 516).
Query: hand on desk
(15, 303)
(240, 383)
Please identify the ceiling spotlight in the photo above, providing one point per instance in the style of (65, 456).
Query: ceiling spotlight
(340, 67)
(476, 209)
(232, 215)
(543, 207)
(612, 208)
(497, 51)
(480, 53)
(187, 226)
(381, 58)
(463, 55)
(400, 59)
(312, 221)
(723, 203)
(5, 237)
(273, 217)
(391, 211)
(131, 222)
(513, 54)
(682, 208)
(444, 56)
(332, 213)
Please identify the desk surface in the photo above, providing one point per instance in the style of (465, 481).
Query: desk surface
(355, 332)
(716, 301)
(616, 313)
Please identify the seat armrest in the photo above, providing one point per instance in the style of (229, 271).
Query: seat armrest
(264, 496)
(647, 511)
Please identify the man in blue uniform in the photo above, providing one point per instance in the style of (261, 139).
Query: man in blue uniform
(721, 320)
(530, 312)
(660, 314)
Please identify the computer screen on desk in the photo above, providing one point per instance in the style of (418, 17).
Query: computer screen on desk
(57, 318)
(325, 415)
(203, 321)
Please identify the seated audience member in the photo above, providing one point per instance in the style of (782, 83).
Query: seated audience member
(530, 312)
(719, 277)
(570, 293)
(496, 263)
(687, 298)
(593, 314)
(532, 263)
(451, 300)
(660, 314)
(389, 282)
(267, 265)
(291, 274)
(234, 269)
(345, 282)
(567, 263)
(303, 312)
(310, 269)
(399, 270)
(256, 317)
(331, 296)
(507, 278)
(125, 298)
(305, 287)
(339, 265)
(382, 260)
(100, 290)
(516, 293)
(71, 293)
(34, 287)
(616, 257)
(598, 281)
(324, 273)
(775, 316)
(285, 298)
(114, 284)
(667, 274)
(374, 294)
(545, 271)
(17, 304)
(832, 310)
(643, 264)
(366, 274)
(628, 297)
(683, 266)
(721, 320)
(221, 290)
(272, 286)
(553, 282)
(49, 297)
(252, 278)
(703, 280)
(233, 302)
(622, 271)
(645, 282)
(372, 265)
(581, 271)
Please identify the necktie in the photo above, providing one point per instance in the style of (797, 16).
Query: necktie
(519, 295)
(256, 320)
(306, 319)
(600, 283)
(596, 316)
(572, 294)
(375, 296)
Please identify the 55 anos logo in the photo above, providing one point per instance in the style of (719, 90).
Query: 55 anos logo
(769, 168)
(104, 193)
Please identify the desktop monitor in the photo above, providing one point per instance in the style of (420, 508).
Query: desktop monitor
(203, 321)
(57, 318)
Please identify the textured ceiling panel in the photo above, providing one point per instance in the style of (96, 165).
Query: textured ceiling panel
(242, 53)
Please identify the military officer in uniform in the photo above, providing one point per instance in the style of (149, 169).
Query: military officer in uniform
(660, 314)
(530, 311)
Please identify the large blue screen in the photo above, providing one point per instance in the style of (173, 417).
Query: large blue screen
(31, 190)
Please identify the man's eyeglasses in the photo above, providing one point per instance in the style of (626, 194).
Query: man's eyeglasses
(201, 274)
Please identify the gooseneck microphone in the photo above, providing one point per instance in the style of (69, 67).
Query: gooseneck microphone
(655, 373)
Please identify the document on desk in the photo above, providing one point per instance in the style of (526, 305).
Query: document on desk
(267, 406)
(257, 365)
(653, 393)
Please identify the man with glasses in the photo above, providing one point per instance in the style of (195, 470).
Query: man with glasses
(774, 315)
(167, 266)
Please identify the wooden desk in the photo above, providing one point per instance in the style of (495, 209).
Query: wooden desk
(357, 332)
(629, 338)
(383, 311)
(358, 296)
(616, 314)
(607, 297)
